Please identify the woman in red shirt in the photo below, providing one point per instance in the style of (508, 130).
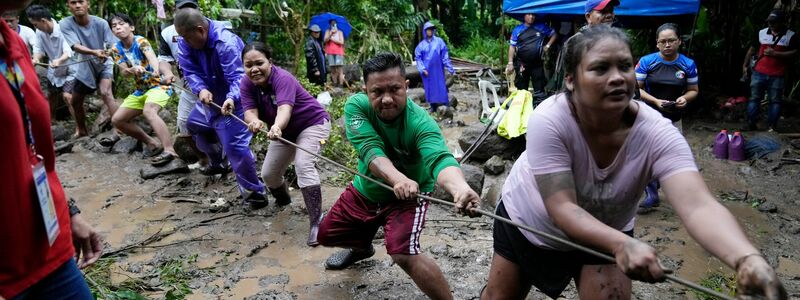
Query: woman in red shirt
(334, 53)
(37, 259)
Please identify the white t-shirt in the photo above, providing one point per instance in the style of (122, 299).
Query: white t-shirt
(54, 45)
(28, 36)
(653, 149)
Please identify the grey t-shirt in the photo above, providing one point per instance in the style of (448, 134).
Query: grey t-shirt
(94, 35)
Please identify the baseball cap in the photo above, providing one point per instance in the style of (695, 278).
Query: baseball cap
(314, 28)
(186, 3)
(599, 4)
(776, 16)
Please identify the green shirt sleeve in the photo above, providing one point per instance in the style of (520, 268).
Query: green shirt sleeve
(432, 147)
(359, 130)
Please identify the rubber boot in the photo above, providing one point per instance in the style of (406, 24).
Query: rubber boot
(312, 195)
(652, 196)
(281, 194)
(255, 200)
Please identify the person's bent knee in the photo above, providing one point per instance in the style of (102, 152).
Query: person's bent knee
(402, 260)
(151, 111)
(118, 120)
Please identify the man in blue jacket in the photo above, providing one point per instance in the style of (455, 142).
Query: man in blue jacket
(210, 56)
(432, 57)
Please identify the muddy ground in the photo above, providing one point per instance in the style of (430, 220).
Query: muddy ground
(234, 254)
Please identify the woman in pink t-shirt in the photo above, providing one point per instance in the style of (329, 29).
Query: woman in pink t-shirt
(334, 52)
(588, 159)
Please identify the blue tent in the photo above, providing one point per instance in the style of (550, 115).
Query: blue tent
(637, 8)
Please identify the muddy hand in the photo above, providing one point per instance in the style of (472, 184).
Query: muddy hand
(274, 132)
(227, 107)
(205, 96)
(88, 243)
(467, 201)
(405, 189)
(255, 126)
(757, 280)
(639, 261)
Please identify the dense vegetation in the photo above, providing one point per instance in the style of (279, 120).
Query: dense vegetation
(474, 29)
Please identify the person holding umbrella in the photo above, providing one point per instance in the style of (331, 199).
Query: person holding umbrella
(432, 57)
(334, 52)
(315, 57)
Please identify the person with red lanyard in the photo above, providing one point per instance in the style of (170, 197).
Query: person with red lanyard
(38, 260)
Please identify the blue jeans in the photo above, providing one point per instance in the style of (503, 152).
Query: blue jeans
(773, 86)
(66, 282)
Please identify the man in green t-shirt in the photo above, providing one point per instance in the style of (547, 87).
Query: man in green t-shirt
(399, 144)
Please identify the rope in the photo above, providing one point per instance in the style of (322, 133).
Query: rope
(64, 65)
(585, 249)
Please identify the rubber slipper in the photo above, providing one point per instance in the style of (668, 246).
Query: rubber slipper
(163, 159)
(347, 257)
(148, 153)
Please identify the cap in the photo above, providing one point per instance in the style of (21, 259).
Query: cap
(776, 16)
(314, 28)
(599, 4)
(186, 3)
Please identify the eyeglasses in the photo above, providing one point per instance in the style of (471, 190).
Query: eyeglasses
(664, 42)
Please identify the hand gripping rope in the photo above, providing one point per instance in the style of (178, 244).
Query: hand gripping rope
(669, 277)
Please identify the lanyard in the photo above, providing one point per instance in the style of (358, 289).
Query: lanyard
(10, 73)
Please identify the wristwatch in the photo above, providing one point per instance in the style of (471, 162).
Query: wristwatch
(73, 209)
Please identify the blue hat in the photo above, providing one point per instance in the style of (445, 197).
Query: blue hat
(599, 4)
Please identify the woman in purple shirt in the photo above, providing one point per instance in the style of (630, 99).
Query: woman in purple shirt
(272, 95)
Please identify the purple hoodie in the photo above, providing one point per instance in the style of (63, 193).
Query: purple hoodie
(217, 67)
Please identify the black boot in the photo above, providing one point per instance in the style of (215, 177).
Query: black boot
(255, 200)
(281, 195)
(312, 195)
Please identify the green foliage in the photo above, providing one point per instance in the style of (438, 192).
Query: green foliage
(312, 89)
(481, 49)
(172, 275)
(718, 282)
(174, 279)
(99, 278)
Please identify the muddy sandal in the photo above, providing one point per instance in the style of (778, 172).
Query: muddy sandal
(162, 159)
(347, 257)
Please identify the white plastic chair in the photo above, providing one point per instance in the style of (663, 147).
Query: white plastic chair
(484, 86)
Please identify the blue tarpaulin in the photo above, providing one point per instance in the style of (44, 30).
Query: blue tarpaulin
(639, 8)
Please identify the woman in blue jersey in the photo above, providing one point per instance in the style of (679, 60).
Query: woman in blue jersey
(667, 82)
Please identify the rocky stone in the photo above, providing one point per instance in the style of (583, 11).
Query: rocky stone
(745, 170)
(63, 147)
(416, 94)
(474, 176)
(175, 166)
(60, 133)
(183, 147)
(125, 145)
(768, 207)
(795, 143)
(494, 165)
(492, 145)
(352, 73)
(444, 113)
(103, 120)
(453, 101)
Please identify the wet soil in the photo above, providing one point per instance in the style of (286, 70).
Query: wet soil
(262, 254)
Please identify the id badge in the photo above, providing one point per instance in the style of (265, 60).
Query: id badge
(45, 201)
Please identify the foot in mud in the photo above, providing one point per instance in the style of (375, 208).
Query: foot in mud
(345, 258)
(255, 200)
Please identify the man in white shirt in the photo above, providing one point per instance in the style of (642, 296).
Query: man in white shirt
(27, 34)
(51, 43)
